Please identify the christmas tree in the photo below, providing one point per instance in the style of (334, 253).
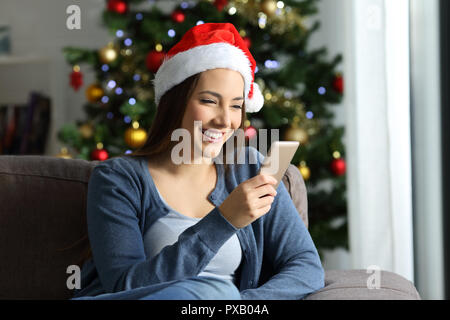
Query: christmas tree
(299, 86)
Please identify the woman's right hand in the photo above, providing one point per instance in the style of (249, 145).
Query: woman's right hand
(249, 201)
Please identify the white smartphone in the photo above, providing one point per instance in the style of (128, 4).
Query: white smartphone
(278, 159)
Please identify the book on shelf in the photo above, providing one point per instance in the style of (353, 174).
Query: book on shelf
(24, 128)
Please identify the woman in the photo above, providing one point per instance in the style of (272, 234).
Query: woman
(161, 228)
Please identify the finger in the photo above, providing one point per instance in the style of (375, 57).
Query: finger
(264, 190)
(264, 202)
(261, 179)
(262, 211)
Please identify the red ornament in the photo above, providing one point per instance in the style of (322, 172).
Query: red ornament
(178, 16)
(220, 4)
(154, 60)
(99, 154)
(338, 167)
(250, 132)
(118, 6)
(76, 80)
(338, 84)
(247, 41)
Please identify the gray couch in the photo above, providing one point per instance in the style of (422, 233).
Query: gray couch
(43, 231)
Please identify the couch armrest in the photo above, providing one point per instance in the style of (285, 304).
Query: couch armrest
(352, 285)
(296, 187)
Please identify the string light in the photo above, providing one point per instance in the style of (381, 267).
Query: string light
(111, 84)
(322, 91)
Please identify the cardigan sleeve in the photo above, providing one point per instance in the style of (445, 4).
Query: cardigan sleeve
(113, 213)
(290, 250)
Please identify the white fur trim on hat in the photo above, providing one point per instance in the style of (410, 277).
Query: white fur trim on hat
(181, 66)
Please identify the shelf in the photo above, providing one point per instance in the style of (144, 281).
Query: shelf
(12, 60)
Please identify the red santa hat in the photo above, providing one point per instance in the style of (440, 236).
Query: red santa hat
(204, 47)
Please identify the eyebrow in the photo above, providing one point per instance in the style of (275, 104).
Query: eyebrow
(218, 95)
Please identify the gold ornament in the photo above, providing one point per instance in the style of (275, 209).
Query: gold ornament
(135, 137)
(94, 92)
(305, 171)
(86, 130)
(64, 154)
(269, 7)
(108, 54)
(297, 134)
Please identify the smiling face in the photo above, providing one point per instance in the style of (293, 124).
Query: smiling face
(217, 102)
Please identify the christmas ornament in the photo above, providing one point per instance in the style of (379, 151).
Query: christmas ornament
(86, 130)
(118, 6)
(295, 133)
(64, 154)
(178, 16)
(76, 78)
(338, 166)
(154, 60)
(108, 53)
(250, 132)
(220, 4)
(99, 154)
(207, 46)
(305, 171)
(338, 83)
(94, 92)
(248, 42)
(269, 7)
(135, 137)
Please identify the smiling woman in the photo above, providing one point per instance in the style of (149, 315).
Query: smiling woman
(163, 230)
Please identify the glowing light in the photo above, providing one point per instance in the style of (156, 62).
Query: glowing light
(322, 91)
(111, 84)
(128, 42)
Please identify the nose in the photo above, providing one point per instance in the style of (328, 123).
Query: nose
(223, 117)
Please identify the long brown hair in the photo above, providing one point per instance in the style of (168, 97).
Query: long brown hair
(169, 116)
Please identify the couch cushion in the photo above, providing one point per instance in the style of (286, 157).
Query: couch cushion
(352, 285)
(42, 212)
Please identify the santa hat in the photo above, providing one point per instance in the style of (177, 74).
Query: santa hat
(204, 47)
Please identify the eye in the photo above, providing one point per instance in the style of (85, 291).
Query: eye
(207, 101)
(237, 107)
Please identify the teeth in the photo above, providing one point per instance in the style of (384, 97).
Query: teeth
(212, 135)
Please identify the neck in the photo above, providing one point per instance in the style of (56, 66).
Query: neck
(200, 169)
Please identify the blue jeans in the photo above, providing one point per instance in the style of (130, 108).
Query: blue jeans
(195, 288)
